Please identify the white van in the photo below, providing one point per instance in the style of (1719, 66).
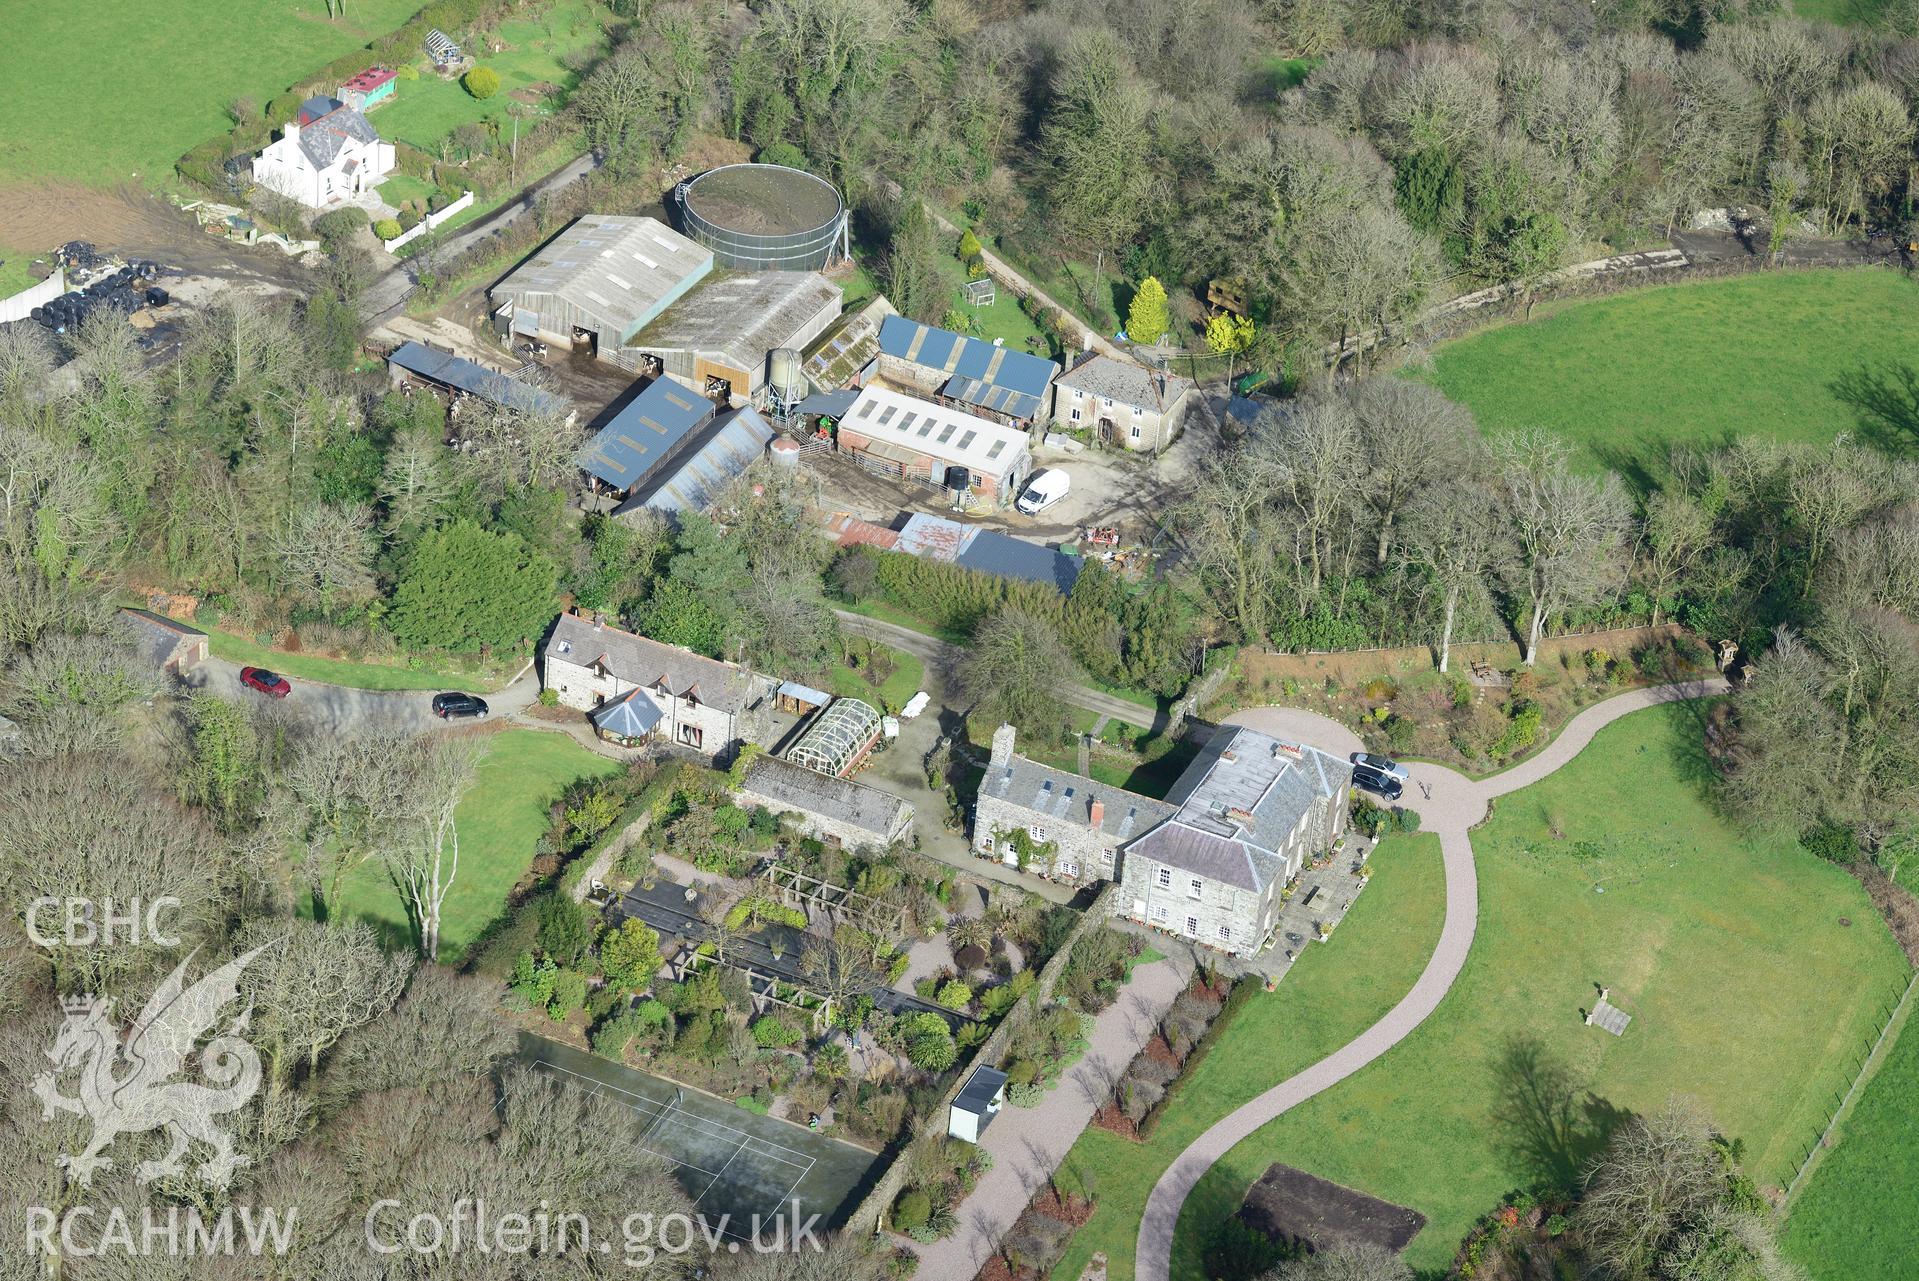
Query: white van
(1047, 487)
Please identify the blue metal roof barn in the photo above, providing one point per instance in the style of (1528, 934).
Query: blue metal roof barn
(474, 379)
(979, 373)
(691, 483)
(641, 436)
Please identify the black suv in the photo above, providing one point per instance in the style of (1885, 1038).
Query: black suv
(1379, 784)
(448, 706)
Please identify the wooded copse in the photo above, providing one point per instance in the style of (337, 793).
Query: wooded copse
(1429, 149)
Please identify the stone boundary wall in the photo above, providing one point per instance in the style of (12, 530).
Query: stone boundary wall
(870, 1217)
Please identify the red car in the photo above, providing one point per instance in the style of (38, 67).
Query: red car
(272, 684)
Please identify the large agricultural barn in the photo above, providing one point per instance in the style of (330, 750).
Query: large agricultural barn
(599, 282)
(725, 331)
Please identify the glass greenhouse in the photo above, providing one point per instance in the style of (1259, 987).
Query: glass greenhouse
(839, 738)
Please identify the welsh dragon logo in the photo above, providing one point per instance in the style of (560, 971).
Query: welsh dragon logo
(130, 1088)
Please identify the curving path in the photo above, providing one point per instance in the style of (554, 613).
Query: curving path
(1450, 805)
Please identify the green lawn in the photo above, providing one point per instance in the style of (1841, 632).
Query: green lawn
(338, 671)
(1844, 12)
(1748, 990)
(501, 821)
(904, 682)
(426, 110)
(1331, 995)
(141, 81)
(1779, 355)
(1853, 1217)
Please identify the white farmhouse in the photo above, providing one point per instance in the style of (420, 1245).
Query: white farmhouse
(638, 692)
(325, 157)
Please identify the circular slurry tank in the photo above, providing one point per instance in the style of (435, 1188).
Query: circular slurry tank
(764, 217)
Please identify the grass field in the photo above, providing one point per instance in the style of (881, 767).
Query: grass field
(1331, 995)
(1749, 989)
(1852, 1220)
(123, 87)
(426, 110)
(501, 820)
(1622, 376)
(901, 684)
(338, 671)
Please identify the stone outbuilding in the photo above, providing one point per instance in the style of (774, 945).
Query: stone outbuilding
(835, 810)
(167, 643)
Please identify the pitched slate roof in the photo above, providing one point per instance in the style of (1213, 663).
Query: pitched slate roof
(987, 551)
(1066, 797)
(999, 378)
(632, 715)
(475, 379)
(1128, 384)
(155, 636)
(731, 444)
(980, 1088)
(1237, 802)
(640, 661)
(640, 437)
(333, 133)
(839, 799)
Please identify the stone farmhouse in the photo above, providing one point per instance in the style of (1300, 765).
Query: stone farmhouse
(1209, 862)
(638, 691)
(1123, 405)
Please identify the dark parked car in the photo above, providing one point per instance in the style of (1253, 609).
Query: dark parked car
(272, 684)
(1378, 784)
(449, 706)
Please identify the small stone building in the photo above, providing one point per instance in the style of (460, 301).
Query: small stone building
(835, 810)
(167, 643)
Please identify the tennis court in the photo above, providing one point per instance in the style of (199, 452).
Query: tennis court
(733, 1163)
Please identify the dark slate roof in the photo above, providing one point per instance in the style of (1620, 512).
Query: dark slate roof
(1062, 796)
(475, 379)
(1125, 383)
(967, 358)
(641, 436)
(987, 551)
(327, 137)
(155, 636)
(1009, 557)
(632, 715)
(640, 661)
(318, 105)
(842, 800)
(980, 1089)
(1237, 802)
(734, 441)
(829, 404)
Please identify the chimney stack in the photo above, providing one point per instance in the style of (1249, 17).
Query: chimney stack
(1002, 746)
(1097, 815)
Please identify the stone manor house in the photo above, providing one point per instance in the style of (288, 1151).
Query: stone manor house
(1209, 862)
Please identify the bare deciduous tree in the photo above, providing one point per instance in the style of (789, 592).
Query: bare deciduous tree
(424, 859)
(1453, 532)
(1568, 528)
